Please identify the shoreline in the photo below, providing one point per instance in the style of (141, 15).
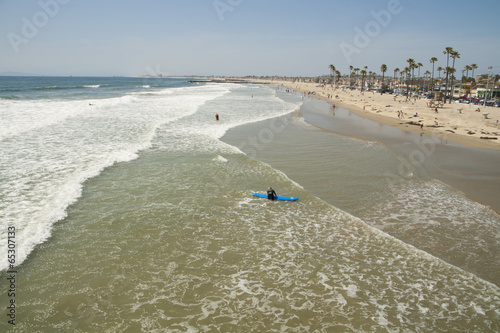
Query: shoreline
(428, 156)
(431, 156)
(456, 122)
(416, 188)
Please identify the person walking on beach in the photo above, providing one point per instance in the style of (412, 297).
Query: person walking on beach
(216, 117)
(271, 193)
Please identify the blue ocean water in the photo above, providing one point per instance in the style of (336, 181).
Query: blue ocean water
(132, 214)
(75, 88)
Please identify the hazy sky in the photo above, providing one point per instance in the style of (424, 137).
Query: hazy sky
(242, 37)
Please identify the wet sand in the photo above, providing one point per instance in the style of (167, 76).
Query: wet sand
(474, 171)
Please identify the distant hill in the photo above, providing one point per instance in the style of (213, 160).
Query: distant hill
(17, 74)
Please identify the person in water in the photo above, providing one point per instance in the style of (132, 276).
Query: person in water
(216, 117)
(271, 193)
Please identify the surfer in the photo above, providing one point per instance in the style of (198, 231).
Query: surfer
(216, 117)
(271, 193)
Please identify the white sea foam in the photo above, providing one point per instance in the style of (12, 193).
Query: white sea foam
(20, 117)
(48, 158)
(203, 132)
(51, 147)
(220, 159)
(433, 211)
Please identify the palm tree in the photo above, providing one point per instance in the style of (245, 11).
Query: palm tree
(350, 75)
(448, 50)
(464, 78)
(366, 72)
(402, 75)
(356, 72)
(419, 77)
(407, 72)
(432, 61)
(410, 62)
(427, 74)
(449, 72)
(473, 66)
(439, 69)
(418, 66)
(413, 67)
(383, 69)
(455, 55)
(363, 75)
(467, 68)
(465, 73)
(410, 69)
(396, 70)
(332, 69)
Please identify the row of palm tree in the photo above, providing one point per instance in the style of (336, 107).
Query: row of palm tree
(409, 72)
(468, 68)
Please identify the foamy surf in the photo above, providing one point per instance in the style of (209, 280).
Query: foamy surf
(46, 162)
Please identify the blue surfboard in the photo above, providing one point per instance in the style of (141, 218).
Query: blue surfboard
(276, 197)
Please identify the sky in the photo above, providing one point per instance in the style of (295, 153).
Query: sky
(243, 37)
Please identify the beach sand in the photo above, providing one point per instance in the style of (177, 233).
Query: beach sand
(456, 122)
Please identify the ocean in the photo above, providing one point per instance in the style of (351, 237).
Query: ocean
(126, 207)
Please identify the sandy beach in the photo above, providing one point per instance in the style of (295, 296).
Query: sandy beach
(461, 123)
